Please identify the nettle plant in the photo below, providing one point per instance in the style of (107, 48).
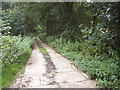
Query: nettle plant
(91, 56)
(12, 47)
(99, 41)
(5, 28)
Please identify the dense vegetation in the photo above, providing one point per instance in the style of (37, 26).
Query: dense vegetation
(15, 50)
(99, 66)
(86, 33)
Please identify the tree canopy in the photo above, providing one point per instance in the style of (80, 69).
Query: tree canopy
(86, 33)
(66, 18)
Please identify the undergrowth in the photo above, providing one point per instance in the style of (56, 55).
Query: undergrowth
(38, 42)
(91, 56)
(15, 52)
(10, 72)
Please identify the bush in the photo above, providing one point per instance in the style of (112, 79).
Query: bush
(12, 47)
(15, 52)
(10, 72)
(89, 57)
(42, 36)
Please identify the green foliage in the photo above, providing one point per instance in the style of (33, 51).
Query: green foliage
(101, 42)
(12, 47)
(42, 49)
(86, 33)
(106, 72)
(11, 16)
(107, 14)
(42, 36)
(90, 57)
(66, 19)
(19, 19)
(47, 56)
(38, 42)
(15, 52)
(44, 52)
(9, 72)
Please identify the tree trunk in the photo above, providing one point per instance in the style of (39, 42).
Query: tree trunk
(94, 23)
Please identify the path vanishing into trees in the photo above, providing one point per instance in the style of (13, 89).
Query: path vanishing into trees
(58, 72)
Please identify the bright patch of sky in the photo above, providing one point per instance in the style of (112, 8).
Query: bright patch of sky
(88, 0)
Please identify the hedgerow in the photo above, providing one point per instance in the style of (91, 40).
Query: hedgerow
(15, 51)
(13, 47)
